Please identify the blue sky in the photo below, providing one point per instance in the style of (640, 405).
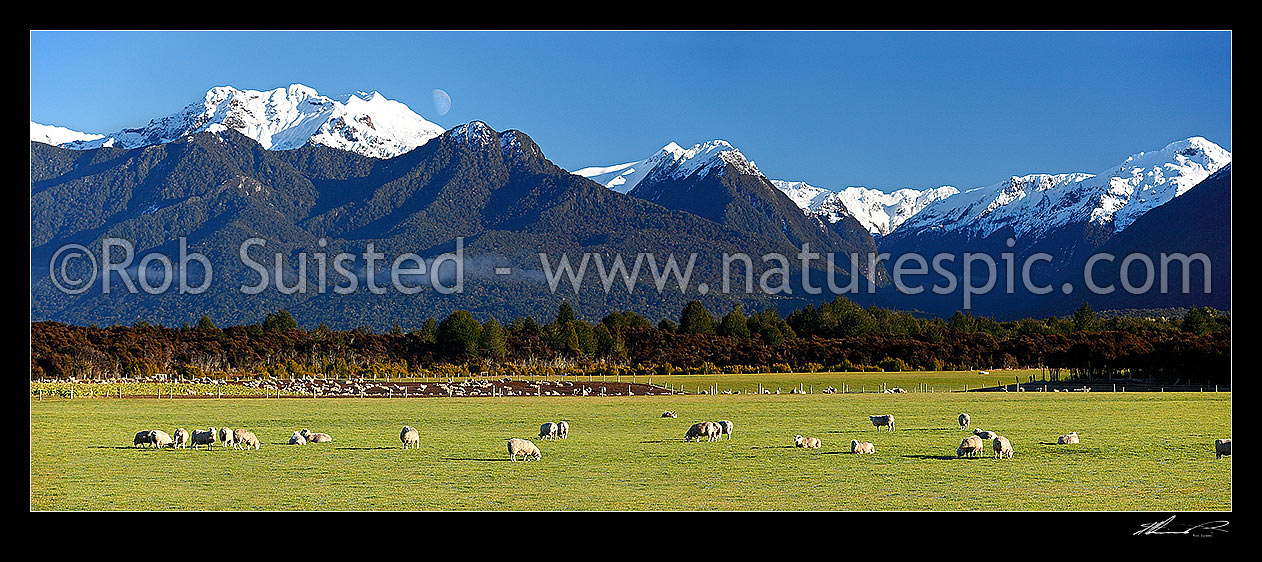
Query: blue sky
(882, 110)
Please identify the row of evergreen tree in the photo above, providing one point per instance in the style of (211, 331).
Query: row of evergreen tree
(461, 333)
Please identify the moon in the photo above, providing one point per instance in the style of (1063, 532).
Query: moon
(442, 102)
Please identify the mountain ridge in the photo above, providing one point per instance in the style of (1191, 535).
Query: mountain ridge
(1122, 193)
(495, 191)
(281, 119)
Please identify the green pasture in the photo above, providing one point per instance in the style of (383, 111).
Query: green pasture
(1139, 451)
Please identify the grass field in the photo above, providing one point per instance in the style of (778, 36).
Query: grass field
(1139, 451)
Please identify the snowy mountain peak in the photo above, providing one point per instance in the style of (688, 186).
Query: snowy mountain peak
(706, 156)
(57, 136)
(286, 118)
(1038, 203)
(673, 161)
(876, 210)
(474, 133)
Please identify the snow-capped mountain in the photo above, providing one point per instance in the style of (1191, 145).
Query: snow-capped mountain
(51, 134)
(1035, 204)
(672, 160)
(876, 210)
(286, 118)
(715, 181)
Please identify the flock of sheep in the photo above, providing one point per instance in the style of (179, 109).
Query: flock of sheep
(971, 446)
(974, 444)
(712, 431)
(235, 438)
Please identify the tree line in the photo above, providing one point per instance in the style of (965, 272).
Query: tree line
(835, 336)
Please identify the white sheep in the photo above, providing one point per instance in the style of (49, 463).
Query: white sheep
(862, 448)
(410, 437)
(200, 437)
(713, 431)
(160, 438)
(725, 428)
(225, 435)
(524, 448)
(180, 439)
(548, 431)
(1002, 447)
(1067, 439)
(297, 439)
(315, 437)
(1222, 447)
(882, 421)
(984, 434)
(964, 421)
(807, 442)
(244, 439)
(563, 429)
(971, 446)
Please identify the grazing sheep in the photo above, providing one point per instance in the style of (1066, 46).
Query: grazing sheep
(862, 448)
(807, 442)
(1002, 447)
(984, 434)
(713, 431)
(1222, 447)
(524, 448)
(180, 439)
(160, 438)
(964, 420)
(563, 429)
(699, 430)
(669, 414)
(225, 435)
(879, 421)
(725, 428)
(548, 431)
(315, 437)
(244, 439)
(200, 437)
(1067, 439)
(297, 439)
(410, 437)
(696, 431)
(970, 446)
(142, 438)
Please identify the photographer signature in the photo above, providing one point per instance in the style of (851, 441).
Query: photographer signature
(1159, 528)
